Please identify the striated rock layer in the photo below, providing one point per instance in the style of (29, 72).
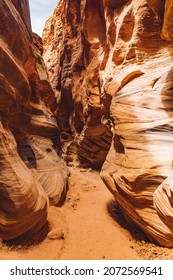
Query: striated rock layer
(72, 52)
(111, 64)
(140, 158)
(32, 174)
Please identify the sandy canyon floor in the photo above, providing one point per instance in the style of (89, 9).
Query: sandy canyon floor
(88, 226)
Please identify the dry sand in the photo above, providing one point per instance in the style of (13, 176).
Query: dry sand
(88, 226)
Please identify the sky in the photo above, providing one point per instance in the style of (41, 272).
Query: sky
(41, 10)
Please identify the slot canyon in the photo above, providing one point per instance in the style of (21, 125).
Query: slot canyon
(86, 130)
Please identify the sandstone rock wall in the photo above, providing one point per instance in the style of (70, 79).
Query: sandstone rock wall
(112, 68)
(74, 41)
(32, 174)
(22, 6)
(140, 158)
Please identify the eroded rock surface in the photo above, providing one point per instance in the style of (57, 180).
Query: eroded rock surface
(167, 29)
(112, 68)
(73, 48)
(140, 158)
(32, 174)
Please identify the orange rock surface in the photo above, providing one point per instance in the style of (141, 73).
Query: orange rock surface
(110, 63)
(109, 106)
(73, 48)
(32, 174)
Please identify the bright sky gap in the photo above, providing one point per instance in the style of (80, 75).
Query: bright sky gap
(41, 10)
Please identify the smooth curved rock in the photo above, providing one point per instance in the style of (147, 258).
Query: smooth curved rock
(31, 170)
(140, 158)
(115, 73)
(24, 204)
(22, 6)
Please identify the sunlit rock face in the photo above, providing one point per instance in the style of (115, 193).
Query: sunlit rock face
(32, 174)
(112, 71)
(138, 168)
(74, 41)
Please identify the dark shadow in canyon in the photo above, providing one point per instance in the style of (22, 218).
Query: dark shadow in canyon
(28, 239)
(116, 213)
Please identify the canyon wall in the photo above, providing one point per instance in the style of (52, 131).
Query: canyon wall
(111, 66)
(74, 41)
(32, 174)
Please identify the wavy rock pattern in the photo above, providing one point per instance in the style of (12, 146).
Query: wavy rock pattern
(72, 51)
(114, 73)
(32, 173)
(23, 202)
(140, 158)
